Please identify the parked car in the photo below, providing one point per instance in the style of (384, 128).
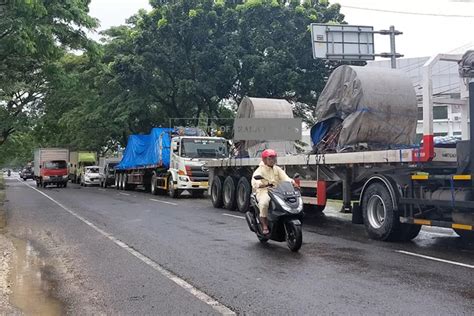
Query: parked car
(90, 176)
(27, 173)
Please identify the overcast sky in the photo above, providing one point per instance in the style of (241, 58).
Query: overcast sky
(422, 35)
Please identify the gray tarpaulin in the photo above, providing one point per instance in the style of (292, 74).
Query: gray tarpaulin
(466, 65)
(265, 108)
(377, 106)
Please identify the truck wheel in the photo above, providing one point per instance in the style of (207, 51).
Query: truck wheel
(216, 191)
(172, 192)
(117, 181)
(229, 193)
(154, 189)
(123, 183)
(243, 194)
(380, 218)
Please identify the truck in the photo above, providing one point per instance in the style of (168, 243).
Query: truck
(107, 171)
(391, 191)
(169, 160)
(77, 161)
(50, 167)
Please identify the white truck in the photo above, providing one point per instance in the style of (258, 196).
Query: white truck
(169, 160)
(396, 190)
(51, 167)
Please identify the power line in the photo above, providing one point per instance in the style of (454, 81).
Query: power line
(410, 13)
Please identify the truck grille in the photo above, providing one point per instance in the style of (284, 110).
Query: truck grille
(196, 174)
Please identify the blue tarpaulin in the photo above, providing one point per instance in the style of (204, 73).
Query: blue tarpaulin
(147, 150)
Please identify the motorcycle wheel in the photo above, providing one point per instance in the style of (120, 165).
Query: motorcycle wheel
(262, 239)
(294, 236)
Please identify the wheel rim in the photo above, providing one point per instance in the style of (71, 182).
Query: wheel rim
(227, 193)
(170, 187)
(214, 192)
(241, 195)
(152, 185)
(376, 211)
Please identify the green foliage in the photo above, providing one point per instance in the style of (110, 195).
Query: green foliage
(188, 60)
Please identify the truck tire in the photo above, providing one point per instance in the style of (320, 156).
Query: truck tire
(216, 191)
(172, 192)
(153, 189)
(117, 181)
(229, 193)
(123, 183)
(381, 220)
(243, 194)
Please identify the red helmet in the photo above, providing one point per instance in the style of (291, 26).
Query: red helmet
(269, 153)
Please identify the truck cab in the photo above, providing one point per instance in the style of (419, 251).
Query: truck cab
(53, 172)
(188, 155)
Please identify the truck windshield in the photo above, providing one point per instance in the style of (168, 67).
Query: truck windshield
(55, 164)
(203, 148)
(92, 170)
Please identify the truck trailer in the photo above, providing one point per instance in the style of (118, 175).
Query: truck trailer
(169, 160)
(50, 167)
(396, 191)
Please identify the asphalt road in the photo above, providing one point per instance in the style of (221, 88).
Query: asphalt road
(118, 252)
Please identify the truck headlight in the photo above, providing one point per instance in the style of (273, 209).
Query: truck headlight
(46, 177)
(185, 179)
(65, 177)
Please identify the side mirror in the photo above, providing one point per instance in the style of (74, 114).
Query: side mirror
(258, 177)
(296, 176)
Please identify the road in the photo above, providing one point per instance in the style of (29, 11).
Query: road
(128, 252)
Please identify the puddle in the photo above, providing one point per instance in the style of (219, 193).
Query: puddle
(31, 291)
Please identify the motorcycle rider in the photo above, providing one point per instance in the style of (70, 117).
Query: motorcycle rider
(273, 176)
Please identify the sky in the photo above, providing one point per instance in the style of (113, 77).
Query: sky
(423, 35)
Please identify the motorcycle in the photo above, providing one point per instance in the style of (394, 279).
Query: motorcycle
(284, 215)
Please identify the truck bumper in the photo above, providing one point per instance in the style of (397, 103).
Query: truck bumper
(203, 185)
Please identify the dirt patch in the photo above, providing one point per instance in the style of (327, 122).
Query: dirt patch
(31, 291)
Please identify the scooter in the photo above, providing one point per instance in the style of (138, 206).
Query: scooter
(284, 215)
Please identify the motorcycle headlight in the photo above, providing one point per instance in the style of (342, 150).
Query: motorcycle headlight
(283, 204)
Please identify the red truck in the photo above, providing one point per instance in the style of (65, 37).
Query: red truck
(51, 167)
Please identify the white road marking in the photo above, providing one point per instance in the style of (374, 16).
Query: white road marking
(124, 193)
(436, 259)
(102, 190)
(236, 216)
(224, 310)
(166, 202)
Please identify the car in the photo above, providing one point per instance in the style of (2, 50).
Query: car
(90, 176)
(27, 173)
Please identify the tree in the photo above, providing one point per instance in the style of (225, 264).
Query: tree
(34, 34)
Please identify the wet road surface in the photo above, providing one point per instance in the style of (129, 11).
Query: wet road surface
(130, 252)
